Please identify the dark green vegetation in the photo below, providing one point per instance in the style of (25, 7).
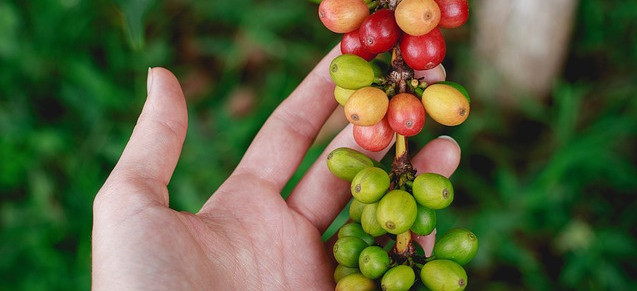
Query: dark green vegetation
(550, 189)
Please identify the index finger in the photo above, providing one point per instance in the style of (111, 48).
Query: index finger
(280, 145)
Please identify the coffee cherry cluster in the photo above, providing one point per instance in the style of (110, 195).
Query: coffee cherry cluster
(368, 249)
(414, 25)
(369, 98)
(389, 209)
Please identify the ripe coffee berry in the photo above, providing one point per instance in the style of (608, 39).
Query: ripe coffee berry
(379, 31)
(406, 114)
(423, 52)
(374, 138)
(342, 16)
(453, 13)
(351, 44)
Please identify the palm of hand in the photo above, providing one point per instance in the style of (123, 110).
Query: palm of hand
(239, 243)
(246, 237)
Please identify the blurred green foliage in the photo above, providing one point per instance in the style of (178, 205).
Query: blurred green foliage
(549, 189)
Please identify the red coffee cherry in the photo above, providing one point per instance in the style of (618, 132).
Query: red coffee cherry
(406, 114)
(379, 31)
(453, 13)
(423, 52)
(351, 44)
(374, 138)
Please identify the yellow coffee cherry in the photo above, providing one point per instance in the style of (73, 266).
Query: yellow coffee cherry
(445, 104)
(342, 95)
(367, 106)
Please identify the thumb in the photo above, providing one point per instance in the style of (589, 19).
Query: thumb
(155, 145)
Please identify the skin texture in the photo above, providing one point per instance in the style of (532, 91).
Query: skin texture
(431, 76)
(245, 237)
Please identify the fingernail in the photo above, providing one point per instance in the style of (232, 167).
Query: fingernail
(149, 80)
(444, 71)
(451, 139)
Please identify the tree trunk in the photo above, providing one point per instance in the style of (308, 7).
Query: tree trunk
(521, 45)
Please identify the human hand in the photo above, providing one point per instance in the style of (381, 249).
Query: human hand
(245, 237)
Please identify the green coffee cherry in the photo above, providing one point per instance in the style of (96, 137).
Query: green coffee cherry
(399, 278)
(369, 222)
(348, 249)
(355, 282)
(396, 211)
(425, 221)
(356, 230)
(341, 271)
(356, 210)
(459, 245)
(341, 94)
(351, 72)
(443, 275)
(433, 190)
(373, 262)
(379, 67)
(370, 184)
(345, 163)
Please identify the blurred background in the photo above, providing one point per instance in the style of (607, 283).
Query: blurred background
(548, 177)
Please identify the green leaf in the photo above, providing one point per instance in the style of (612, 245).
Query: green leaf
(134, 15)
